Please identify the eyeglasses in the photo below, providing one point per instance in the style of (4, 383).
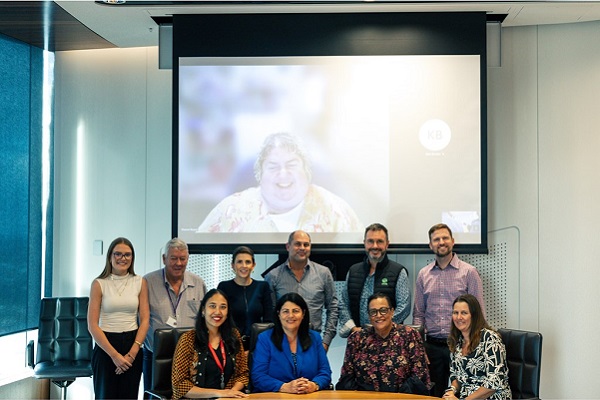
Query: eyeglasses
(383, 311)
(119, 255)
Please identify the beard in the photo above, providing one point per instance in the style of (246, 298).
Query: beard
(376, 259)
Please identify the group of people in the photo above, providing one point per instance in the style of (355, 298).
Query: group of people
(460, 356)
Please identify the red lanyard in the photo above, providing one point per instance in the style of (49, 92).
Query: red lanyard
(218, 362)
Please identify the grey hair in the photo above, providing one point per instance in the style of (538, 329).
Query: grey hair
(176, 244)
(282, 140)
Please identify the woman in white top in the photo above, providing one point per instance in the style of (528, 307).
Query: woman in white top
(118, 300)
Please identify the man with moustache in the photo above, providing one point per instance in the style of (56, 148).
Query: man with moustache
(174, 295)
(376, 274)
(438, 284)
(310, 280)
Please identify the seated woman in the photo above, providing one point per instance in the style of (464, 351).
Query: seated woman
(210, 361)
(387, 357)
(250, 300)
(477, 355)
(289, 357)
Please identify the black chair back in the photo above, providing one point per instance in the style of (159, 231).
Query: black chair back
(64, 348)
(256, 329)
(524, 359)
(165, 341)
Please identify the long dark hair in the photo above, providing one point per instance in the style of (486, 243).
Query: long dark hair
(109, 253)
(477, 323)
(277, 336)
(227, 328)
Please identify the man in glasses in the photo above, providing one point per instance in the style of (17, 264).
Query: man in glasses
(438, 284)
(375, 274)
(174, 295)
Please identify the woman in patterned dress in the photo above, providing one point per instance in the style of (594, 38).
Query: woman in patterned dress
(388, 357)
(477, 355)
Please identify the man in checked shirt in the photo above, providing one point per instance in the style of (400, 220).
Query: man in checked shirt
(438, 284)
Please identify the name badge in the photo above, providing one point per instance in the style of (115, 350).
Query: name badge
(172, 322)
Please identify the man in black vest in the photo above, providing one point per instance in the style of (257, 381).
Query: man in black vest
(375, 274)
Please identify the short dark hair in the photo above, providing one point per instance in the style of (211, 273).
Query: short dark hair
(377, 227)
(437, 227)
(381, 295)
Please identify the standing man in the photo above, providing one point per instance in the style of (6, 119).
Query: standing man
(174, 295)
(438, 284)
(310, 280)
(375, 274)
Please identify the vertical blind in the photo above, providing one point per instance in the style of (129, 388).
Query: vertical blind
(21, 77)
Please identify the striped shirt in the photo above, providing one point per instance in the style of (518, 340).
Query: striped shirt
(435, 291)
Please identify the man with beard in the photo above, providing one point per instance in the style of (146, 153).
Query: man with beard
(438, 284)
(376, 274)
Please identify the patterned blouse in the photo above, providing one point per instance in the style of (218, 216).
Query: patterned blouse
(189, 365)
(385, 363)
(485, 366)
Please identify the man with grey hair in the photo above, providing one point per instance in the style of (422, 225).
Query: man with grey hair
(285, 199)
(174, 295)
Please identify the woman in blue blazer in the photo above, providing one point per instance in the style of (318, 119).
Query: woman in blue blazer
(290, 357)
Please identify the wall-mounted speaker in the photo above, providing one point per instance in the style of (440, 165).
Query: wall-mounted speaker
(165, 46)
(494, 44)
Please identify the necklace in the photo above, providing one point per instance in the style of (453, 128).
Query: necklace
(120, 288)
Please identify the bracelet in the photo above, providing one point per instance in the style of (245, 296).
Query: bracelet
(139, 344)
(451, 388)
(130, 356)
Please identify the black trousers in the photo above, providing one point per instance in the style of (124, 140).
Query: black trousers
(109, 385)
(439, 366)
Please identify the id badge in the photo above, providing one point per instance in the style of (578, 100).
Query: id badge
(172, 322)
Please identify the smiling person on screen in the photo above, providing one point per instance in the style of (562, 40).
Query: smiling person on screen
(285, 198)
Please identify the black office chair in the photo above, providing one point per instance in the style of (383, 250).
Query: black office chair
(165, 341)
(64, 348)
(256, 329)
(524, 359)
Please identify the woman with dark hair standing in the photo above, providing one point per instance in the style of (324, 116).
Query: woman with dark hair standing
(290, 357)
(118, 300)
(477, 355)
(210, 361)
(250, 300)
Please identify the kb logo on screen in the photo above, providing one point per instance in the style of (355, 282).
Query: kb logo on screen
(435, 135)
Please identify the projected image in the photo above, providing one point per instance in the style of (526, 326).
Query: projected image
(327, 145)
(285, 199)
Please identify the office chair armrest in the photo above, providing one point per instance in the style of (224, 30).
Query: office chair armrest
(29, 354)
(155, 395)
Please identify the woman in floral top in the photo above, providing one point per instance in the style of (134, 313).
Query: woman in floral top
(387, 357)
(477, 355)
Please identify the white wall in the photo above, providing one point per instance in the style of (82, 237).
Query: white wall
(113, 177)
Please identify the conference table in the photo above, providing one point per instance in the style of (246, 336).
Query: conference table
(339, 395)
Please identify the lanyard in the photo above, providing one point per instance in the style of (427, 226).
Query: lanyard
(173, 305)
(218, 362)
